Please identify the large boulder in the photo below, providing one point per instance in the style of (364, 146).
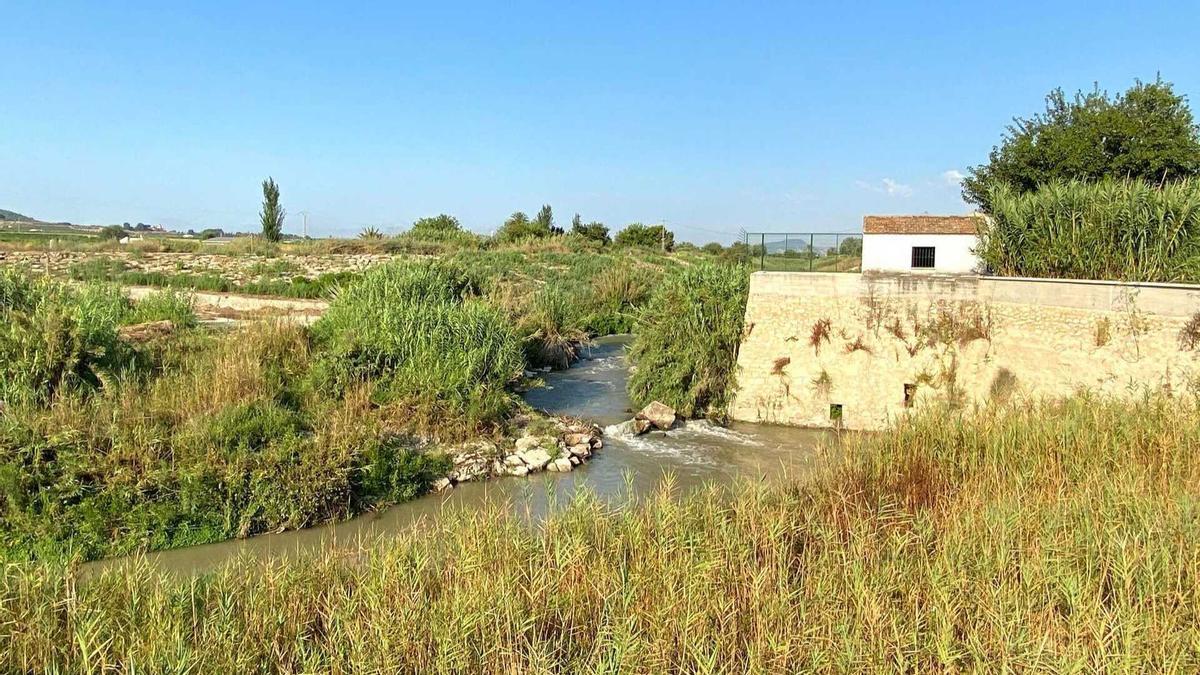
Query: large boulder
(536, 459)
(661, 415)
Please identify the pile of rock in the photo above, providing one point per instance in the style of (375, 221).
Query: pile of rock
(571, 446)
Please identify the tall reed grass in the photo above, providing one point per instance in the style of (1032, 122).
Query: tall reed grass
(418, 333)
(1126, 230)
(1045, 537)
(686, 340)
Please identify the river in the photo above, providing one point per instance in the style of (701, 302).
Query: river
(593, 389)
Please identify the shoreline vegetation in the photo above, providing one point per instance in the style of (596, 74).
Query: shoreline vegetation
(188, 434)
(1049, 536)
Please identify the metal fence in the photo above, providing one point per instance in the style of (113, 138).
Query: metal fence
(805, 251)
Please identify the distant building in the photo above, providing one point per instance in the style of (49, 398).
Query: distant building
(921, 244)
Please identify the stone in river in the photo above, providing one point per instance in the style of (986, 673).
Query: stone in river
(660, 415)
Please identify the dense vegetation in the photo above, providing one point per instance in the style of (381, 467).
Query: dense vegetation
(1108, 230)
(1053, 537)
(1147, 133)
(425, 343)
(685, 350)
(110, 446)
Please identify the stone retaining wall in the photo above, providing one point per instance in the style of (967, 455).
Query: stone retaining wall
(880, 345)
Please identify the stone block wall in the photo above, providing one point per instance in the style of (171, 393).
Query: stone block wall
(880, 346)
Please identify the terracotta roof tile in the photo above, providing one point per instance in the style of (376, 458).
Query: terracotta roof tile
(920, 224)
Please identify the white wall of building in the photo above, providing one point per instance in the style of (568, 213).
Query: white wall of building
(893, 252)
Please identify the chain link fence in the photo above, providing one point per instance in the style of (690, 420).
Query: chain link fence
(804, 251)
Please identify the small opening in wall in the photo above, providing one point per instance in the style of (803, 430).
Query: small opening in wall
(910, 392)
(923, 257)
(835, 414)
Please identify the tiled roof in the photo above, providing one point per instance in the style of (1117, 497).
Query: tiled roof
(920, 224)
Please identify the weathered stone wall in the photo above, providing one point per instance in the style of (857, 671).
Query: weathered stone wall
(862, 341)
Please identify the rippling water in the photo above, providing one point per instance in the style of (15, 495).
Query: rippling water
(594, 389)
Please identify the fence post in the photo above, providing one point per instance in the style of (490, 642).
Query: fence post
(762, 261)
(811, 251)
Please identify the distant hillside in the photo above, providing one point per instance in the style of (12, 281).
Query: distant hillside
(13, 215)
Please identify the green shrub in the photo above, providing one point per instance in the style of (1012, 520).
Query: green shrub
(646, 236)
(55, 338)
(551, 329)
(419, 335)
(1126, 230)
(175, 306)
(685, 350)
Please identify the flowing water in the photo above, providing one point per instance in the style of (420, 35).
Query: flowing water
(594, 390)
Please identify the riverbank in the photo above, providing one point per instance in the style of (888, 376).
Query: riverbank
(951, 543)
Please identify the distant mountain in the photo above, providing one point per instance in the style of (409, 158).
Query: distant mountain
(13, 215)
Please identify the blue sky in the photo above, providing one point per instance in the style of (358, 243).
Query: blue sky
(713, 117)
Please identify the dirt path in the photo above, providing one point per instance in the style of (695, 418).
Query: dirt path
(235, 306)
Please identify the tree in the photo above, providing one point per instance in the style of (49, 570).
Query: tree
(1146, 133)
(850, 246)
(519, 226)
(112, 232)
(649, 236)
(272, 213)
(591, 231)
(436, 228)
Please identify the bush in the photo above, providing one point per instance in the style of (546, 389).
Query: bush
(1124, 230)
(647, 236)
(593, 231)
(685, 350)
(519, 226)
(55, 338)
(426, 344)
(552, 329)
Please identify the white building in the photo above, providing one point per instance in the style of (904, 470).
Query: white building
(920, 244)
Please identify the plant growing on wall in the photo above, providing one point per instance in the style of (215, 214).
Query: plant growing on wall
(820, 333)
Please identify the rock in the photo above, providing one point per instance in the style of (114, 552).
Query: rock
(552, 466)
(660, 415)
(513, 460)
(563, 464)
(596, 443)
(441, 484)
(519, 470)
(576, 461)
(581, 450)
(528, 443)
(576, 438)
(640, 426)
(536, 459)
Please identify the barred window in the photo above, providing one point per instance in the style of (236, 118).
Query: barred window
(922, 257)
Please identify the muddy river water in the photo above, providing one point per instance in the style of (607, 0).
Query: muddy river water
(593, 389)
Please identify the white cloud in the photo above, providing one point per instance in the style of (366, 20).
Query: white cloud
(889, 187)
(953, 177)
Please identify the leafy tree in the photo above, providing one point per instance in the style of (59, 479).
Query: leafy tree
(1146, 133)
(591, 231)
(545, 218)
(438, 227)
(713, 248)
(649, 236)
(112, 232)
(519, 226)
(272, 213)
(851, 246)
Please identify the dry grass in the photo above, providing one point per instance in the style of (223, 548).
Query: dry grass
(1047, 538)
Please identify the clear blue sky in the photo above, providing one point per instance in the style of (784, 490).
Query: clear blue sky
(713, 117)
